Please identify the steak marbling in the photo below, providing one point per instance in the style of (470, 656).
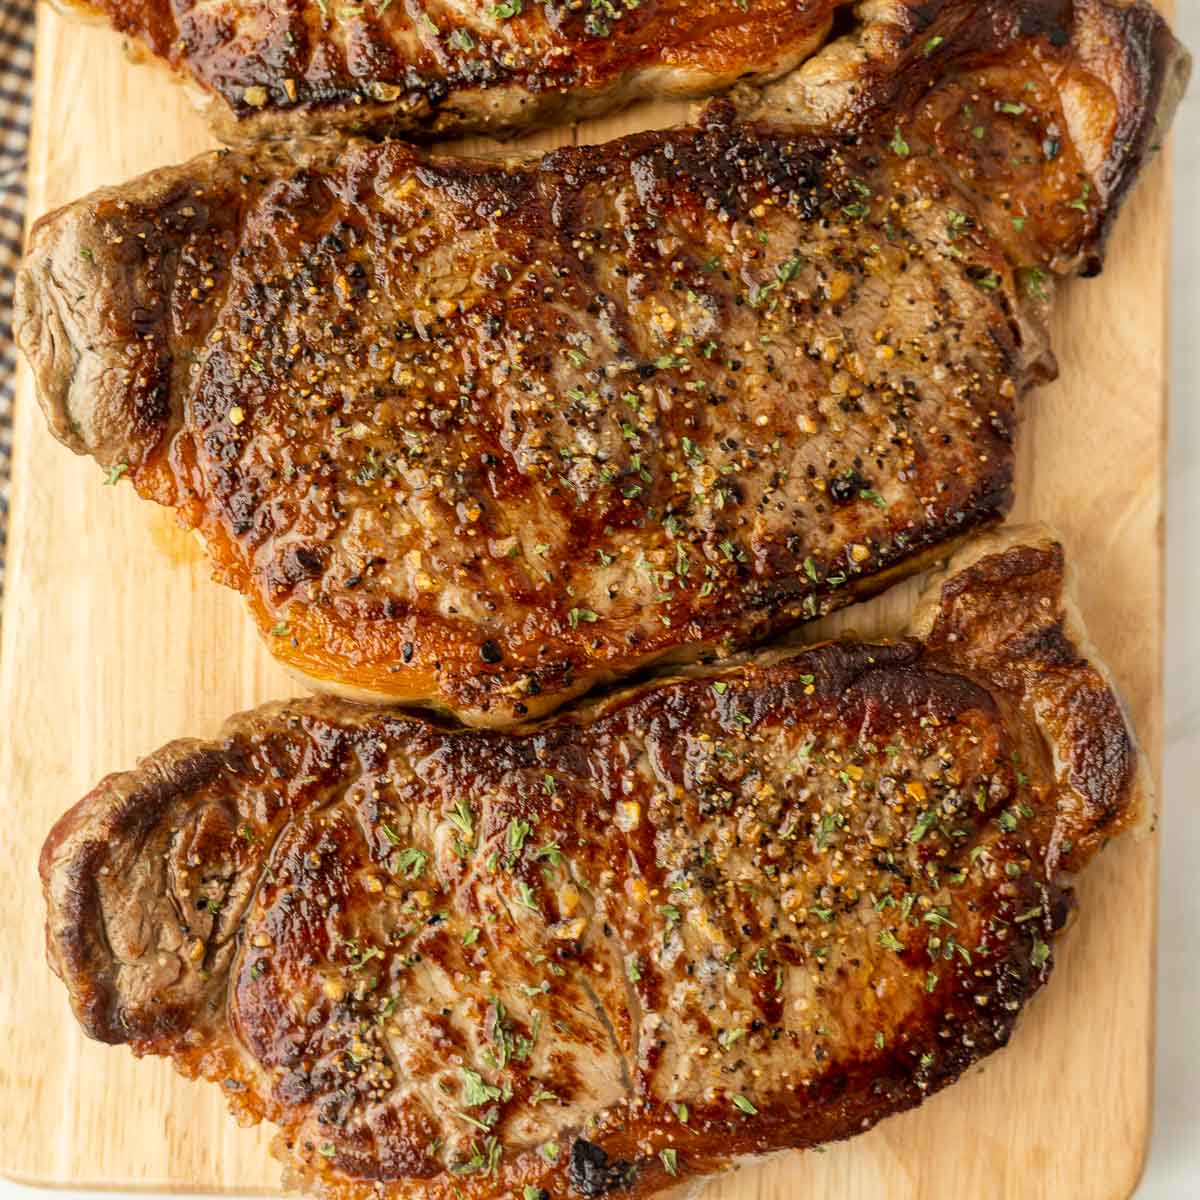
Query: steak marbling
(754, 908)
(481, 435)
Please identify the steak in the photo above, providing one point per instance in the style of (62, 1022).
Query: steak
(483, 435)
(459, 66)
(755, 907)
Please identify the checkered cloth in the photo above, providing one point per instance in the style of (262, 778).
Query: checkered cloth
(16, 82)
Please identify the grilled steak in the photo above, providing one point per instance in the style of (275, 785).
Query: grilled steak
(749, 909)
(459, 66)
(481, 435)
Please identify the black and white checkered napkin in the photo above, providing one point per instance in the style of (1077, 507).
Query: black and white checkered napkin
(16, 84)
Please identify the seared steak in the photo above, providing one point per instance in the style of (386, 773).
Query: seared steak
(456, 66)
(480, 434)
(753, 908)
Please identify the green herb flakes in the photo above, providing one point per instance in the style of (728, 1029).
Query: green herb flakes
(476, 1091)
(410, 863)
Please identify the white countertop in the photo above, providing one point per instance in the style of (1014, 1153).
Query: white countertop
(1173, 1170)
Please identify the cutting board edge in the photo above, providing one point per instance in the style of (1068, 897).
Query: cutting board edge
(1132, 1162)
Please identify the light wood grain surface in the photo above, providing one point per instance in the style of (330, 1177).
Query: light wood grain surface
(115, 641)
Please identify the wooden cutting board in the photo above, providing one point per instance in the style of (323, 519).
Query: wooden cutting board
(115, 640)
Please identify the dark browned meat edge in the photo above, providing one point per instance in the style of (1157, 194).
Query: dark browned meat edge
(429, 106)
(75, 377)
(1072, 702)
(58, 345)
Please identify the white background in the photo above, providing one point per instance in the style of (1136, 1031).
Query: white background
(1173, 1172)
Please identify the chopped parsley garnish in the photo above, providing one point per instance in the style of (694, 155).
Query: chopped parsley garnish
(476, 1091)
(1035, 279)
(485, 1159)
(410, 863)
(924, 823)
(518, 832)
(461, 817)
(827, 826)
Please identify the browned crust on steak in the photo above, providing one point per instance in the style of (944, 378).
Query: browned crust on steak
(1131, 43)
(439, 70)
(482, 436)
(80, 946)
(824, 881)
(1054, 672)
(1124, 46)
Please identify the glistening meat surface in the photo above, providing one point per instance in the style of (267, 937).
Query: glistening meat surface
(755, 908)
(482, 435)
(448, 67)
